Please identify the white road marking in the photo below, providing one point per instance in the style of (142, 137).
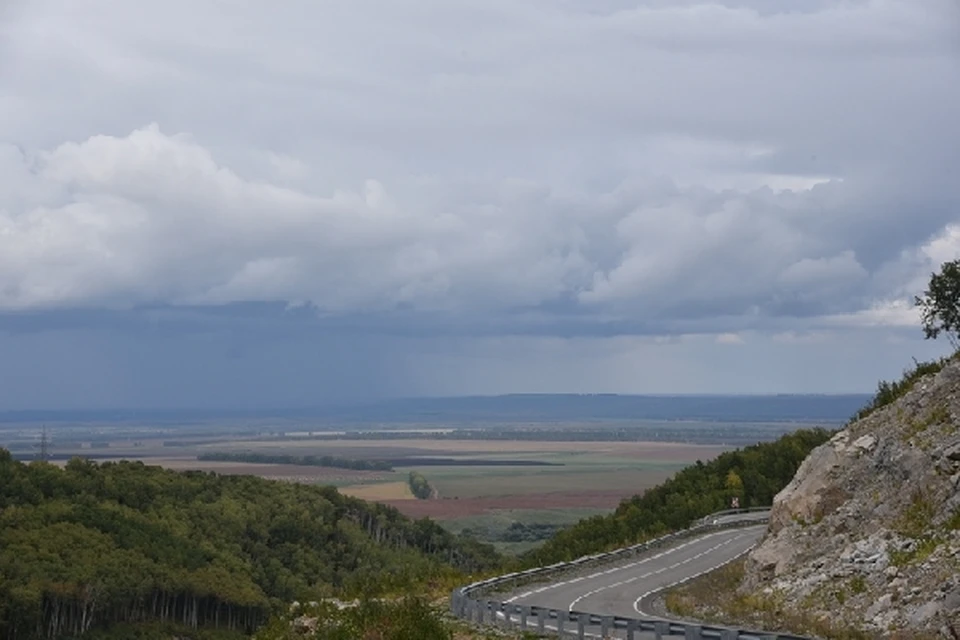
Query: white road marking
(598, 574)
(652, 573)
(636, 603)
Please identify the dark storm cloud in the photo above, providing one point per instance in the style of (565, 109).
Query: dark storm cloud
(239, 182)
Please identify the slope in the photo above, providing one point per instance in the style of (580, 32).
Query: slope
(90, 546)
(868, 532)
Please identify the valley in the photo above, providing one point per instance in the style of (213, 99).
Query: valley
(511, 480)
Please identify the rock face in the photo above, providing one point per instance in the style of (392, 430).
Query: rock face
(868, 532)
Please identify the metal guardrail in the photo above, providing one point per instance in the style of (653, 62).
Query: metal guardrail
(466, 602)
(714, 518)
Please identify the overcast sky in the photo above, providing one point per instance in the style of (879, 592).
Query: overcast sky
(251, 204)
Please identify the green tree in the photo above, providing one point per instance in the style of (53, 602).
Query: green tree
(940, 303)
(102, 548)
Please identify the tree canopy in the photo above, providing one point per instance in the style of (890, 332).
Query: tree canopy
(94, 545)
(754, 474)
(940, 303)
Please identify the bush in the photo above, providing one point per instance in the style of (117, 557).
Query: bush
(889, 392)
(407, 619)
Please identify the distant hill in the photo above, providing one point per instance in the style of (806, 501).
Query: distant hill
(833, 409)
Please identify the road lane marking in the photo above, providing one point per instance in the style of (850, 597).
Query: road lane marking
(669, 551)
(554, 585)
(653, 573)
(636, 603)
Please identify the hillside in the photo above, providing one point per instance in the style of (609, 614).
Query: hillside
(92, 546)
(753, 474)
(866, 537)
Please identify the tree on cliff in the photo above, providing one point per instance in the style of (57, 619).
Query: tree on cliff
(940, 303)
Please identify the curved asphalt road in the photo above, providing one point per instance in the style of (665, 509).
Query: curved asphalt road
(620, 589)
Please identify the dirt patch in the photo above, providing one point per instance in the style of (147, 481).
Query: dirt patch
(448, 508)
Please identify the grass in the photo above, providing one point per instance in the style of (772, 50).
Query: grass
(937, 416)
(924, 549)
(495, 525)
(953, 523)
(858, 585)
(379, 491)
(917, 517)
(477, 482)
(889, 392)
(713, 598)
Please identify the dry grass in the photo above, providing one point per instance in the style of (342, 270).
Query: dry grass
(713, 598)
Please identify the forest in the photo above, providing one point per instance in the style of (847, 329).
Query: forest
(92, 546)
(754, 474)
(419, 486)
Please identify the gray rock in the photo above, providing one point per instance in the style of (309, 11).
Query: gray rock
(866, 443)
(952, 453)
(883, 603)
(863, 489)
(925, 613)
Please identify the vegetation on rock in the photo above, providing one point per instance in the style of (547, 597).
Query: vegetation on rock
(889, 392)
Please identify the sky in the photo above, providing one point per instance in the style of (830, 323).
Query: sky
(239, 205)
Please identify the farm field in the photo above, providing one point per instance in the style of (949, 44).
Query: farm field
(577, 472)
(385, 492)
(535, 487)
(506, 469)
(513, 507)
(288, 473)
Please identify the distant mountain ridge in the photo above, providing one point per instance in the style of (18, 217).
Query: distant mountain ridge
(533, 407)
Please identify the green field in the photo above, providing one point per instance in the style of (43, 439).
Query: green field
(496, 525)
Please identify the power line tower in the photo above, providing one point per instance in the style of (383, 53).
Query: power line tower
(44, 444)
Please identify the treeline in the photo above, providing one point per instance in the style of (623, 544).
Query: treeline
(92, 546)
(307, 461)
(754, 474)
(419, 486)
(742, 433)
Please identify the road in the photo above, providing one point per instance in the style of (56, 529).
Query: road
(620, 589)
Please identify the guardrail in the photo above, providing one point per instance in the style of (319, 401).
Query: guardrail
(750, 512)
(466, 602)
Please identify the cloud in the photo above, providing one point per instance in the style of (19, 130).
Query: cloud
(153, 218)
(585, 171)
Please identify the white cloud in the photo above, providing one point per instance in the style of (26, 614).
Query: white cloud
(895, 313)
(568, 169)
(154, 218)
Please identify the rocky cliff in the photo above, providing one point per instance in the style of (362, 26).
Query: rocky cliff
(868, 532)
